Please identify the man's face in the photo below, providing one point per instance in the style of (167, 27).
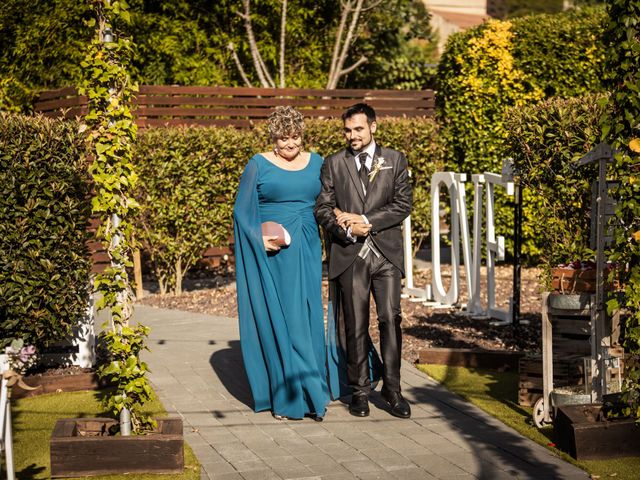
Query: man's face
(358, 131)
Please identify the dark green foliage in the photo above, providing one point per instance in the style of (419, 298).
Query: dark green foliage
(186, 42)
(553, 55)
(562, 54)
(189, 178)
(44, 212)
(43, 43)
(399, 46)
(621, 130)
(518, 8)
(545, 141)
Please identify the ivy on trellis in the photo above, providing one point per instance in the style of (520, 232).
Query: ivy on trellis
(110, 133)
(621, 128)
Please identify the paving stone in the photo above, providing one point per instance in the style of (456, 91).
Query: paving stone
(245, 466)
(338, 476)
(226, 476)
(293, 472)
(394, 463)
(329, 468)
(375, 476)
(260, 475)
(217, 468)
(314, 458)
(436, 466)
(361, 466)
(412, 473)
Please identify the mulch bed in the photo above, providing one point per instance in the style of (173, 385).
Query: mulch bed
(423, 326)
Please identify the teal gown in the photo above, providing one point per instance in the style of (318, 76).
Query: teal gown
(280, 294)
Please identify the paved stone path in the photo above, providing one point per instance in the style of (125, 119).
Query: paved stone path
(197, 371)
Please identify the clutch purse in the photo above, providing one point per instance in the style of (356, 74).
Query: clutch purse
(273, 229)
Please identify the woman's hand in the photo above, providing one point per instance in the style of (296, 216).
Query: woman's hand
(269, 244)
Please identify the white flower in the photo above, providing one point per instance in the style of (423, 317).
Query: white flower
(376, 167)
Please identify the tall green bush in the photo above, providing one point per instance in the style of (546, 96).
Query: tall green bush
(44, 212)
(545, 141)
(189, 178)
(502, 64)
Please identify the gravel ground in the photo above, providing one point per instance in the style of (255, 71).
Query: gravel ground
(423, 326)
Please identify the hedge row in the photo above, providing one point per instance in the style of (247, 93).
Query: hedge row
(188, 181)
(545, 141)
(44, 211)
(189, 178)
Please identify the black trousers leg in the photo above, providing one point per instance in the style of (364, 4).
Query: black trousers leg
(355, 285)
(386, 286)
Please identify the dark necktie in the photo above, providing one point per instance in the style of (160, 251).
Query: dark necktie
(364, 171)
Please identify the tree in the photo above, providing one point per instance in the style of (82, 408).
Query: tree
(383, 30)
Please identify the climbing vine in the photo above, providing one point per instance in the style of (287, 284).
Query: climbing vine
(622, 130)
(110, 135)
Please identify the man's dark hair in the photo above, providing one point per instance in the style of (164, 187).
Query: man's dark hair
(360, 108)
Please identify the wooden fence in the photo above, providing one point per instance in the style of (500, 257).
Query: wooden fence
(158, 106)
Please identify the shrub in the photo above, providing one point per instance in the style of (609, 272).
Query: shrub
(189, 178)
(545, 141)
(508, 64)
(44, 211)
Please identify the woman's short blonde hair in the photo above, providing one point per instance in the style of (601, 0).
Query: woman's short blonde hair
(284, 122)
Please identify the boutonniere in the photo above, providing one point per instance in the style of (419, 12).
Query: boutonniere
(376, 167)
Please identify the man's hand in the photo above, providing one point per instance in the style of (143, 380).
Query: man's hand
(346, 219)
(360, 229)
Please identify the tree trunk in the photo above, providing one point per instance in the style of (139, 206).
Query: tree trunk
(283, 36)
(342, 46)
(179, 275)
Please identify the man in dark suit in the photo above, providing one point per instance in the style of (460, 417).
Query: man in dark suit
(365, 196)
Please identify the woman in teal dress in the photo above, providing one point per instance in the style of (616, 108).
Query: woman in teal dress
(280, 289)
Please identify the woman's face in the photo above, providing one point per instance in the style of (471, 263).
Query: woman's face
(288, 147)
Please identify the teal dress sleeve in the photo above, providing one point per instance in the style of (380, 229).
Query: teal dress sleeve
(259, 312)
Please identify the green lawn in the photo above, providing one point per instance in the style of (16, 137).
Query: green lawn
(496, 393)
(33, 421)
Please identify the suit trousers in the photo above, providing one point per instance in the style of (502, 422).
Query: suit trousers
(372, 274)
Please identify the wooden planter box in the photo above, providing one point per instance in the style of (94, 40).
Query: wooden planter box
(577, 432)
(58, 383)
(83, 446)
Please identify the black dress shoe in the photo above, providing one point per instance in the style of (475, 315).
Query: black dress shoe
(359, 406)
(399, 407)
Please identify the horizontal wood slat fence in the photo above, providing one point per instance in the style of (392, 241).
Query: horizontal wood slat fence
(240, 107)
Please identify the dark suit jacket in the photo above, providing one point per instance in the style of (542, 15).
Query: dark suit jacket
(386, 205)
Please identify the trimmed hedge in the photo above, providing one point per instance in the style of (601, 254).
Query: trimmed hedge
(545, 141)
(189, 178)
(503, 64)
(44, 211)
